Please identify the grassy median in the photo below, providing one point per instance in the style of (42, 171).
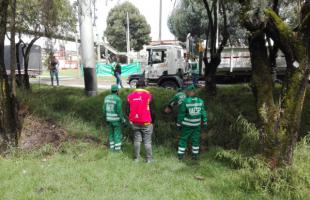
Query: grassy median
(77, 169)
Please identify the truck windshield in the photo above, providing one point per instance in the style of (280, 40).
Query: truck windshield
(157, 56)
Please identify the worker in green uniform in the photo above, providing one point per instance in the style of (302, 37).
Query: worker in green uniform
(194, 66)
(176, 100)
(191, 115)
(113, 114)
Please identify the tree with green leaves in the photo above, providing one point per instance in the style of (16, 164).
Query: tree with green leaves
(279, 115)
(213, 21)
(188, 17)
(215, 43)
(117, 25)
(8, 115)
(37, 18)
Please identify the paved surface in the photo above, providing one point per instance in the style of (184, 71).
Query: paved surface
(68, 81)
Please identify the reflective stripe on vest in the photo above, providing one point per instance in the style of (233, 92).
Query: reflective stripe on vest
(110, 119)
(190, 124)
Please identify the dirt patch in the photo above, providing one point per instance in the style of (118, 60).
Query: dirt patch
(37, 133)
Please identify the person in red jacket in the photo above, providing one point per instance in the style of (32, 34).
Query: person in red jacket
(141, 117)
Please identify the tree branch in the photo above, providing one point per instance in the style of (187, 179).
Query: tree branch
(305, 22)
(275, 6)
(225, 33)
(215, 28)
(282, 35)
(209, 13)
(7, 35)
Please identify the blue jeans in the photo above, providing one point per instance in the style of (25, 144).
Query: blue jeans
(118, 80)
(195, 79)
(54, 73)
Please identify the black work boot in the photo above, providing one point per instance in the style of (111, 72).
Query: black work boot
(180, 157)
(195, 157)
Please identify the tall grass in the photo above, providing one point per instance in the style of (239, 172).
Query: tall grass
(83, 171)
(233, 169)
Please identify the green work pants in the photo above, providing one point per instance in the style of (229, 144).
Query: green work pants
(193, 133)
(115, 136)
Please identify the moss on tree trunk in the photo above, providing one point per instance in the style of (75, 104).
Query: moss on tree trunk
(8, 113)
(279, 119)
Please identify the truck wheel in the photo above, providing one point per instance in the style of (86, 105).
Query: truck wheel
(169, 85)
(133, 83)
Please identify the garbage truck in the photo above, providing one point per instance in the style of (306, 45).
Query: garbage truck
(165, 67)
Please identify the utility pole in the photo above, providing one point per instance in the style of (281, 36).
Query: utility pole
(78, 54)
(217, 21)
(87, 44)
(128, 39)
(160, 18)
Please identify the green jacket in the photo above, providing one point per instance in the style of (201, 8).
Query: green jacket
(192, 112)
(177, 99)
(194, 66)
(112, 109)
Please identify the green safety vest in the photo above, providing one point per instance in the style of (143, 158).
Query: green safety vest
(192, 112)
(112, 108)
(194, 67)
(177, 99)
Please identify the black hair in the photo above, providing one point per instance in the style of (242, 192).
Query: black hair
(140, 83)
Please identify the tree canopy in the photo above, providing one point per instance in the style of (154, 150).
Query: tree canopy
(117, 24)
(45, 18)
(37, 18)
(190, 16)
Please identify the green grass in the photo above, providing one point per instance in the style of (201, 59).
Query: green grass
(83, 171)
(79, 170)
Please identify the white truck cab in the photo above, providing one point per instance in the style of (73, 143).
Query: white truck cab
(166, 65)
(164, 60)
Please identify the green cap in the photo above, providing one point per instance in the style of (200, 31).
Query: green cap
(190, 88)
(114, 88)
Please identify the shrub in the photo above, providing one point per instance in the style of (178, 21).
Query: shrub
(249, 143)
(288, 182)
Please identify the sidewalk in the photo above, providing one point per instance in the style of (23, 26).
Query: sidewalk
(69, 81)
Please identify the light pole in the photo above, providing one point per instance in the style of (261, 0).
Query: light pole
(128, 38)
(87, 44)
(160, 18)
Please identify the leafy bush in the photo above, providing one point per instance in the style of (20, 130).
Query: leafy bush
(288, 182)
(231, 114)
(249, 143)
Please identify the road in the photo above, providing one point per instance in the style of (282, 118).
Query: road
(75, 81)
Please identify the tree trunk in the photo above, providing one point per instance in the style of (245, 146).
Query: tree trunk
(14, 101)
(280, 121)
(273, 54)
(262, 87)
(19, 75)
(296, 50)
(26, 81)
(8, 126)
(213, 38)
(13, 48)
(210, 74)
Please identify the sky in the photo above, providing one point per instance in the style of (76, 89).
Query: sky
(148, 8)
